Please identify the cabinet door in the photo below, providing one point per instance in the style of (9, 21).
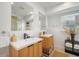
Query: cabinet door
(36, 50)
(51, 42)
(31, 53)
(24, 52)
(44, 42)
(13, 52)
(40, 49)
(47, 42)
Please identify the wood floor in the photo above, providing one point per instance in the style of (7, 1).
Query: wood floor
(4, 52)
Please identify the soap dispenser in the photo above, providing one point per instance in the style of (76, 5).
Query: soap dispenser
(13, 38)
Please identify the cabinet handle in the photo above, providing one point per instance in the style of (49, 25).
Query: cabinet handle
(39, 41)
(30, 45)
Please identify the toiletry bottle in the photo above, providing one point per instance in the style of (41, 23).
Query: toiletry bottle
(13, 38)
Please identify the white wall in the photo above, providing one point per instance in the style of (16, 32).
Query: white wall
(35, 25)
(5, 22)
(55, 27)
(37, 7)
(5, 16)
(66, 6)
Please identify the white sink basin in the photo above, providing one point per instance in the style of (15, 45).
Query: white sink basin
(47, 35)
(24, 43)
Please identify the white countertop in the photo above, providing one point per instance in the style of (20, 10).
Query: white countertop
(47, 35)
(4, 41)
(24, 43)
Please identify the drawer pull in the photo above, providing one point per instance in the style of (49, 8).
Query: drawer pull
(30, 45)
(39, 41)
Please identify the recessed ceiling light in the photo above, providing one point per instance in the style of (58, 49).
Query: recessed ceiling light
(12, 3)
(31, 12)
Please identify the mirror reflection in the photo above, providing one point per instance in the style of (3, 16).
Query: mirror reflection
(22, 17)
(42, 19)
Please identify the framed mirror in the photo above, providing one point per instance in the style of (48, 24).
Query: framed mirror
(42, 19)
(22, 16)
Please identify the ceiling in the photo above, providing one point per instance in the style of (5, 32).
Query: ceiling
(47, 6)
(21, 9)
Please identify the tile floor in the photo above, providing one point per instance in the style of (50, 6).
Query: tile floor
(4, 52)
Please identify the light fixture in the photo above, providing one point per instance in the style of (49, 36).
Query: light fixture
(12, 3)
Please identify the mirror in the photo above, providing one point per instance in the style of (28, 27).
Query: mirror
(22, 16)
(42, 19)
(13, 23)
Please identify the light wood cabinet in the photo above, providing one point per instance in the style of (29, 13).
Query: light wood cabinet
(23, 52)
(48, 42)
(34, 50)
(40, 49)
(13, 52)
(31, 50)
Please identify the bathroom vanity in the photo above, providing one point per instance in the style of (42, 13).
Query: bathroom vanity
(31, 47)
(47, 43)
